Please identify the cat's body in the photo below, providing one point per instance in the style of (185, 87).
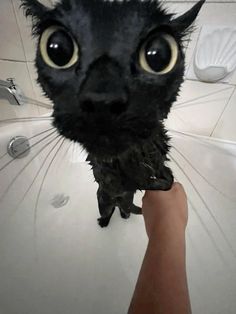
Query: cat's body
(113, 71)
(140, 168)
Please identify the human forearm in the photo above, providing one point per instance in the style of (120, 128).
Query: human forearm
(162, 284)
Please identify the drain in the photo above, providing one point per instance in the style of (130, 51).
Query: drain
(60, 200)
(18, 147)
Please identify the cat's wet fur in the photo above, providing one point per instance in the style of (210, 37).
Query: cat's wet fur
(106, 101)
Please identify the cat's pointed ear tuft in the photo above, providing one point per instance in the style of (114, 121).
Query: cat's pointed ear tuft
(183, 22)
(35, 10)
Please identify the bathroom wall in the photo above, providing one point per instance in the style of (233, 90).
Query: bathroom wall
(17, 50)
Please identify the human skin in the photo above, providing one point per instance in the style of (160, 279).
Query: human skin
(162, 283)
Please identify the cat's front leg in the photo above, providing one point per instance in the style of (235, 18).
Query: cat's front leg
(106, 207)
(163, 182)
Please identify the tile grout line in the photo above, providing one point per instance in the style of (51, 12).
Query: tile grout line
(12, 60)
(223, 111)
(18, 26)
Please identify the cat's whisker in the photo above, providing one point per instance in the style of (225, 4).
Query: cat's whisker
(83, 150)
(64, 154)
(25, 119)
(30, 138)
(204, 226)
(40, 141)
(41, 187)
(208, 141)
(40, 133)
(178, 104)
(38, 172)
(25, 166)
(71, 144)
(201, 175)
(206, 206)
(177, 115)
(213, 241)
(37, 103)
(73, 152)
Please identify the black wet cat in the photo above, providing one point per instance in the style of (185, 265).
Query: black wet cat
(113, 70)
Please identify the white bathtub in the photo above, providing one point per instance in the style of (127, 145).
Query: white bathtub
(66, 264)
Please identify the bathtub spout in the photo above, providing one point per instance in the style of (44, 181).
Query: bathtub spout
(10, 91)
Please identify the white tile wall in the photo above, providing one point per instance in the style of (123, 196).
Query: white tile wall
(11, 45)
(176, 7)
(16, 49)
(39, 95)
(199, 107)
(24, 26)
(226, 127)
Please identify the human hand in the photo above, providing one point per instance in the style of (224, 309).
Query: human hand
(165, 210)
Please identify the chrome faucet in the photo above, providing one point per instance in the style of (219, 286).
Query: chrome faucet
(12, 92)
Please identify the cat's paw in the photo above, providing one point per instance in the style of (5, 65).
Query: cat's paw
(124, 215)
(136, 210)
(103, 222)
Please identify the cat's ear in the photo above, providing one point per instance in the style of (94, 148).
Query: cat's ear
(35, 10)
(183, 22)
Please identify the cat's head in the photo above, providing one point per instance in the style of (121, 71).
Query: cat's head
(112, 69)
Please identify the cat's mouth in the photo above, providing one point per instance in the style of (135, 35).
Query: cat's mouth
(103, 139)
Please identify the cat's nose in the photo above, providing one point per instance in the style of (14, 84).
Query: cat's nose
(103, 103)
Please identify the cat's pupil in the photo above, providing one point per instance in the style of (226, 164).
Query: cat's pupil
(60, 48)
(158, 54)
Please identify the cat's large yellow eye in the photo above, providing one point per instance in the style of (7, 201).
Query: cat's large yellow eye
(159, 54)
(58, 49)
